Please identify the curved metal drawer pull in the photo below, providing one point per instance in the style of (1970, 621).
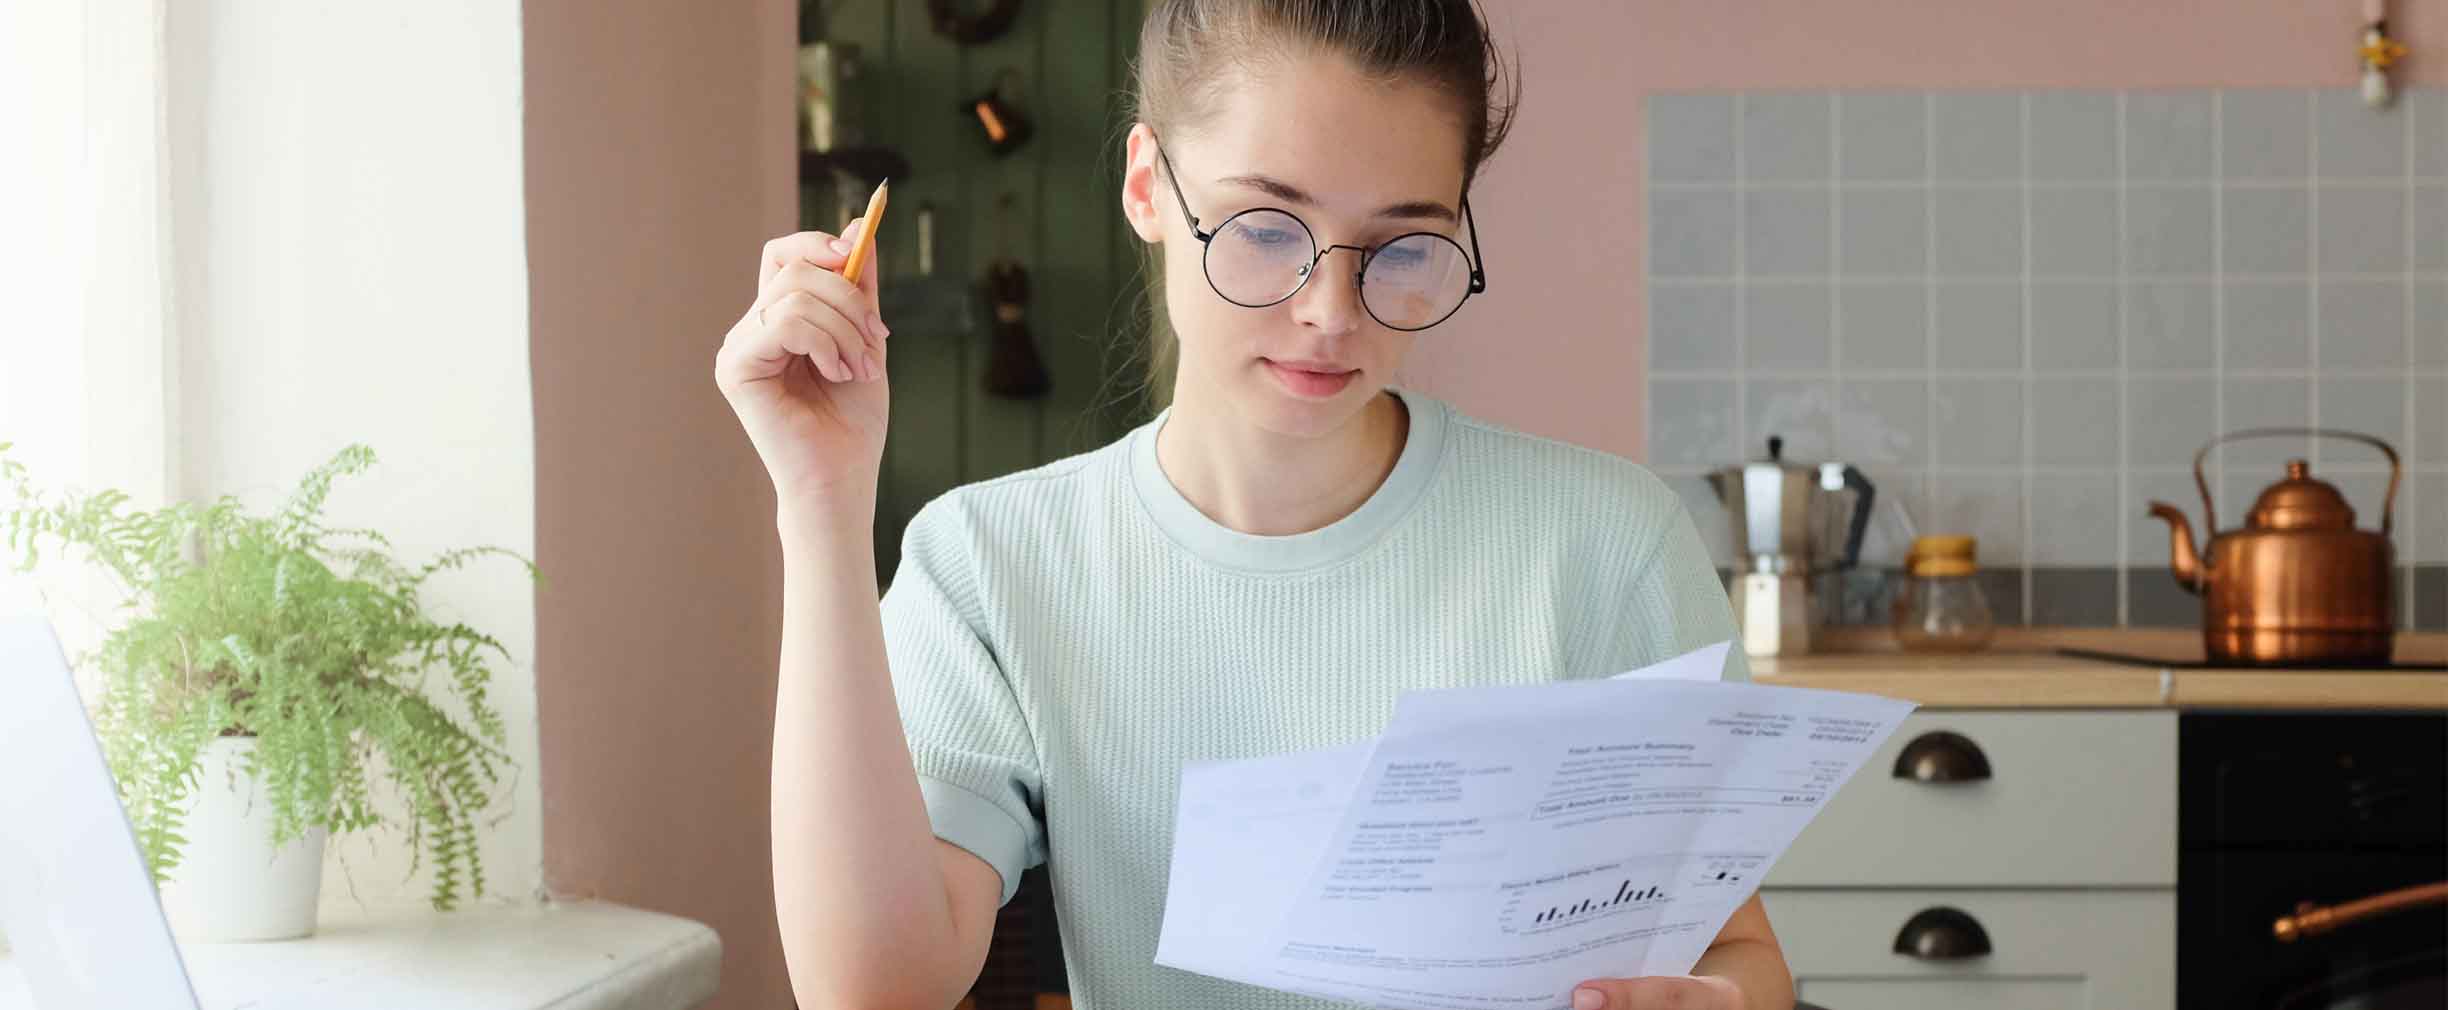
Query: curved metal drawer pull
(1941, 933)
(1942, 756)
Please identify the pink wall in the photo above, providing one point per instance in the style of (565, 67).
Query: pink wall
(659, 146)
(1557, 347)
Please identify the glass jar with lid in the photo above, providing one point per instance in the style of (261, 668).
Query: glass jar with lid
(1940, 606)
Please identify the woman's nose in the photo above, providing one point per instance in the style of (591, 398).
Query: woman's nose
(1330, 301)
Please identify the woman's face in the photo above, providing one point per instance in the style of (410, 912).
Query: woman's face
(1360, 162)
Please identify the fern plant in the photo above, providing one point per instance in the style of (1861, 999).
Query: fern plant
(310, 639)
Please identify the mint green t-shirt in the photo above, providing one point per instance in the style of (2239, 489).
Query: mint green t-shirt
(1065, 639)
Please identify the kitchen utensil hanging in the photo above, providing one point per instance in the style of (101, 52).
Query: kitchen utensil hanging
(939, 308)
(1013, 368)
(997, 114)
(953, 21)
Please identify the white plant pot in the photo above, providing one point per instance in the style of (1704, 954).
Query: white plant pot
(230, 883)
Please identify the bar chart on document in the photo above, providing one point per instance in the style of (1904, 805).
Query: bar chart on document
(1618, 891)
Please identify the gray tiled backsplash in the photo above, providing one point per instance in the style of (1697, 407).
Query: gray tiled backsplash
(2164, 416)
(2430, 598)
(2366, 491)
(1786, 138)
(2265, 229)
(2167, 230)
(1692, 422)
(2073, 421)
(2431, 428)
(1987, 505)
(1977, 136)
(2073, 325)
(1883, 138)
(1980, 421)
(1883, 421)
(1788, 327)
(1785, 231)
(2357, 403)
(2088, 596)
(2154, 600)
(2349, 142)
(2167, 135)
(2170, 324)
(2073, 136)
(2360, 324)
(2427, 108)
(1692, 139)
(2070, 596)
(1886, 231)
(1691, 234)
(2284, 402)
(2362, 230)
(2429, 527)
(2427, 221)
(1983, 324)
(1801, 410)
(2069, 509)
(1886, 324)
(2430, 298)
(2023, 312)
(2074, 230)
(2268, 325)
(1691, 327)
(1979, 231)
(2265, 134)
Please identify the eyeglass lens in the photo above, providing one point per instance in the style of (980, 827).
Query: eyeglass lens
(1261, 257)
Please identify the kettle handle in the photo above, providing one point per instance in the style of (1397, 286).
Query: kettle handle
(2388, 503)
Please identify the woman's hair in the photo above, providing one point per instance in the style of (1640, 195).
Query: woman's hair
(1190, 52)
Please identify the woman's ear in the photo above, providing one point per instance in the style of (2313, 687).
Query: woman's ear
(1141, 188)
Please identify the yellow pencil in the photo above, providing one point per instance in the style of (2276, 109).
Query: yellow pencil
(865, 246)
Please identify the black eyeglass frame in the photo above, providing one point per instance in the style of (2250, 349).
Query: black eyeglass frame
(1478, 276)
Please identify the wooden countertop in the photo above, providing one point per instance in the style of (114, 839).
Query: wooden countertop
(2021, 669)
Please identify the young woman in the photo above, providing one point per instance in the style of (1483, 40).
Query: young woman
(1261, 568)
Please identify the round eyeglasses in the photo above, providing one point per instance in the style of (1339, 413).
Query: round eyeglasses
(1265, 255)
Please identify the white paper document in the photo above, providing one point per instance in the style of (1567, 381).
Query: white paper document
(1498, 845)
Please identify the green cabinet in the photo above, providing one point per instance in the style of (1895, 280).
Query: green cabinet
(1052, 204)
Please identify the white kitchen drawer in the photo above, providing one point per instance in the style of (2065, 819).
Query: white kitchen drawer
(2048, 950)
(2072, 798)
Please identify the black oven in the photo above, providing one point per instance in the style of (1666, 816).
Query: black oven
(2283, 809)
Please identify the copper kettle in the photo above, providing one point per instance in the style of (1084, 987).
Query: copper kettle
(2299, 584)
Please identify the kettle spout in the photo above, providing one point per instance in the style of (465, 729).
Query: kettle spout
(2181, 556)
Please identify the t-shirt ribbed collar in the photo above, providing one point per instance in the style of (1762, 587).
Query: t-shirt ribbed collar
(1225, 547)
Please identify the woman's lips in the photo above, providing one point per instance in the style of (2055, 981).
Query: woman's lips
(1313, 381)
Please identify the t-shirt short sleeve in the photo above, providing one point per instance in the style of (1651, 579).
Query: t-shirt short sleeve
(1678, 599)
(976, 758)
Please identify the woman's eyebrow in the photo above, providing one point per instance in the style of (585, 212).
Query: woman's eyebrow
(1289, 193)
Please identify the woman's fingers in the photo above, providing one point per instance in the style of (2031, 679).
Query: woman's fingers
(755, 352)
(1658, 992)
(829, 253)
(814, 246)
(809, 308)
(805, 324)
(856, 305)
